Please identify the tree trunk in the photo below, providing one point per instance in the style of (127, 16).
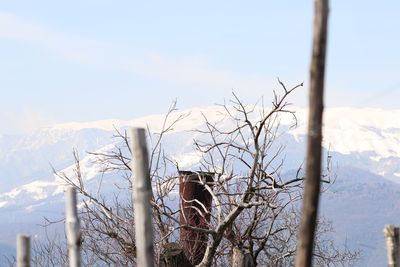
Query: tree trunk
(241, 258)
(173, 256)
(305, 243)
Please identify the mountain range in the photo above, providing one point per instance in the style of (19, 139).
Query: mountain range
(363, 145)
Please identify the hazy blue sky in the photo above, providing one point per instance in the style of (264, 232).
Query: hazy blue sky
(87, 60)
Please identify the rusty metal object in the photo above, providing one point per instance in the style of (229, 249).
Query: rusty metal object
(195, 202)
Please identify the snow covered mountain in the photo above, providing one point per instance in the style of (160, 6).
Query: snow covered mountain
(364, 144)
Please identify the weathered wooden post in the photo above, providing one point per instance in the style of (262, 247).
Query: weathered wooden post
(142, 193)
(308, 223)
(195, 203)
(23, 251)
(72, 228)
(391, 234)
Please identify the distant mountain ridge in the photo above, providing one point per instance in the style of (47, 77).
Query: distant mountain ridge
(363, 142)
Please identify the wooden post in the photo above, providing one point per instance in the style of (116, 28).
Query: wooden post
(142, 193)
(391, 234)
(72, 228)
(194, 198)
(305, 242)
(23, 251)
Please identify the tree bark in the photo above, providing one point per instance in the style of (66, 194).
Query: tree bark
(173, 256)
(305, 243)
(241, 258)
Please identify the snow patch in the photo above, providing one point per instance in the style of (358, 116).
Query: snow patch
(37, 190)
(187, 160)
(375, 158)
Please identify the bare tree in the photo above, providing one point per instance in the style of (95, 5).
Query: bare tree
(254, 209)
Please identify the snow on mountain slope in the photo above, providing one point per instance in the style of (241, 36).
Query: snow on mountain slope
(30, 156)
(349, 130)
(365, 138)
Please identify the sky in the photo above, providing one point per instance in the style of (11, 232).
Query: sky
(63, 61)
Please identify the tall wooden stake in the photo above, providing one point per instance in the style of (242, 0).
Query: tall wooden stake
(72, 228)
(305, 243)
(141, 199)
(392, 245)
(23, 251)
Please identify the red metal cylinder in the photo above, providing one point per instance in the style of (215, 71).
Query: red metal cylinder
(195, 203)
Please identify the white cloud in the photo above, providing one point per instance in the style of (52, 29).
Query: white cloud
(71, 47)
(67, 46)
(13, 27)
